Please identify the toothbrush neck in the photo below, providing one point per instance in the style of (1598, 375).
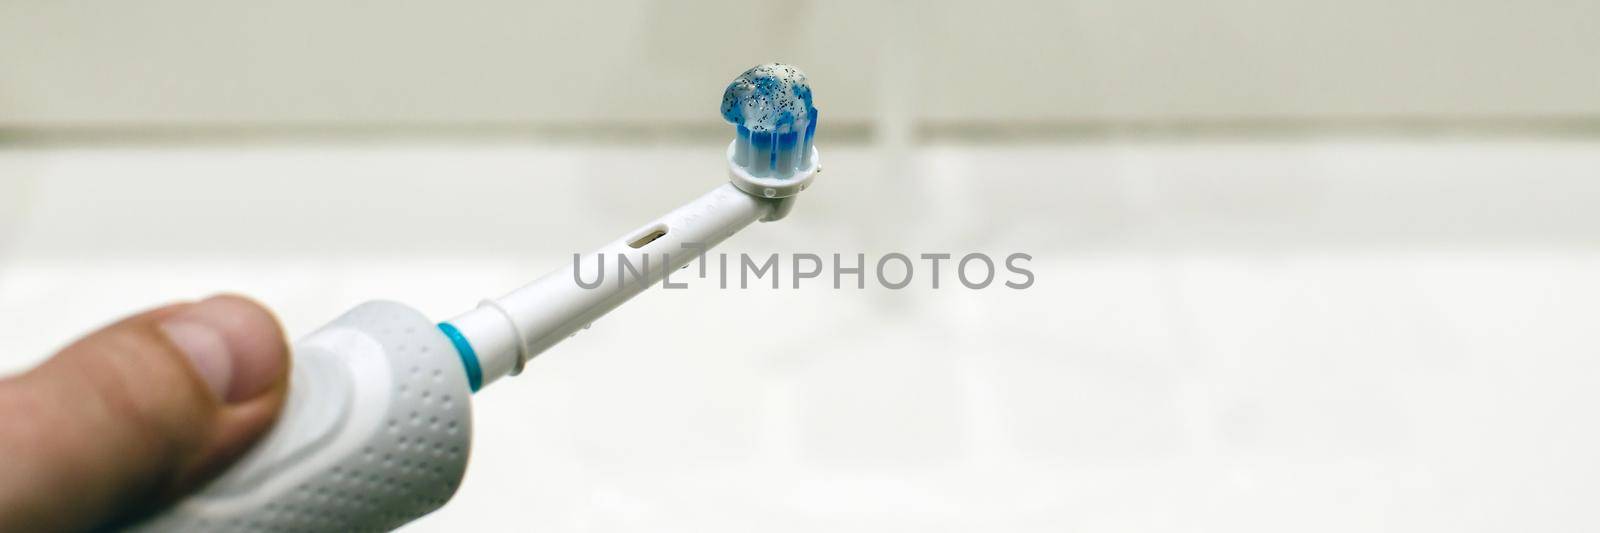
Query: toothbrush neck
(502, 334)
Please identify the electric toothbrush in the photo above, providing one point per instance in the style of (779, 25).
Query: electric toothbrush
(377, 425)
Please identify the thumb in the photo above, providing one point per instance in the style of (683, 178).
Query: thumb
(138, 413)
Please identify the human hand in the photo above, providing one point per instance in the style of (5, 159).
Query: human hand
(137, 414)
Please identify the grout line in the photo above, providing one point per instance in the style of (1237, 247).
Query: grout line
(602, 133)
(984, 132)
(838, 132)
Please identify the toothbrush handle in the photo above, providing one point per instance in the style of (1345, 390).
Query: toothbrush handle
(374, 434)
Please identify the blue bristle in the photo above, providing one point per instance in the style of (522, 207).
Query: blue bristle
(769, 106)
(741, 151)
(788, 154)
(811, 131)
(760, 154)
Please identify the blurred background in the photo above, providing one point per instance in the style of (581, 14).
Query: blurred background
(1317, 266)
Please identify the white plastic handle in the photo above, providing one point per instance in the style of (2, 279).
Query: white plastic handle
(374, 434)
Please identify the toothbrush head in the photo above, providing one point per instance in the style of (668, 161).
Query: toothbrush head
(774, 123)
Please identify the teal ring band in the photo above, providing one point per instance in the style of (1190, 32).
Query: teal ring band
(469, 358)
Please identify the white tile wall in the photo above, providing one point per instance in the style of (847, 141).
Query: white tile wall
(316, 64)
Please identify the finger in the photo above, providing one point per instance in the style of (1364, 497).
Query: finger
(137, 413)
